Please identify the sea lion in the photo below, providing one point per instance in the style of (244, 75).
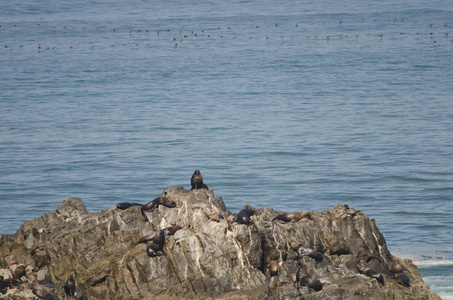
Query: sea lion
(125, 205)
(302, 278)
(403, 279)
(197, 181)
(273, 267)
(306, 251)
(244, 215)
(370, 273)
(292, 217)
(70, 286)
(18, 272)
(152, 205)
(157, 245)
(397, 267)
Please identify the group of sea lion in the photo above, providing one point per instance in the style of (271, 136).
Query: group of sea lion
(397, 272)
(244, 217)
(156, 248)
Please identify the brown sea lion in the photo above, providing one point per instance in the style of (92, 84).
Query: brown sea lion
(292, 217)
(197, 181)
(302, 278)
(273, 267)
(244, 215)
(370, 273)
(18, 272)
(397, 267)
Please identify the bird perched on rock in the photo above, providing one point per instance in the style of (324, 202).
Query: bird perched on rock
(70, 286)
(197, 181)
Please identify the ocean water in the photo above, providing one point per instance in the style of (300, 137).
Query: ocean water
(291, 105)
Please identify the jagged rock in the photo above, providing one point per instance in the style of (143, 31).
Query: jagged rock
(208, 258)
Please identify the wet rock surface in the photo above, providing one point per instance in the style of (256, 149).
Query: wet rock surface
(336, 254)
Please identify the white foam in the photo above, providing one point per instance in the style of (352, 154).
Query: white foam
(445, 296)
(446, 262)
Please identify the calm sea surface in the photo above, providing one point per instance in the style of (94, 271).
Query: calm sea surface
(294, 105)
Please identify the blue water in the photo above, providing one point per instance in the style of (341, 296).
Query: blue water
(294, 105)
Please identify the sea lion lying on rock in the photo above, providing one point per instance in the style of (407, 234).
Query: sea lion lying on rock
(306, 251)
(292, 217)
(370, 273)
(244, 215)
(400, 277)
(303, 279)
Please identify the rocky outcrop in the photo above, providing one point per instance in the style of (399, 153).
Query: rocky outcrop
(336, 254)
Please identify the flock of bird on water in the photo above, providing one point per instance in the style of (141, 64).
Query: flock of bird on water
(157, 240)
(183, 35)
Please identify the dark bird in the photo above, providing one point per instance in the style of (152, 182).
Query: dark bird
(70, 286)
(197, 181)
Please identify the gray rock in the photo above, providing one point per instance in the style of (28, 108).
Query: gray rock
(206, 258)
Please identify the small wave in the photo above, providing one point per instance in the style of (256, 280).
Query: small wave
(446, 262)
